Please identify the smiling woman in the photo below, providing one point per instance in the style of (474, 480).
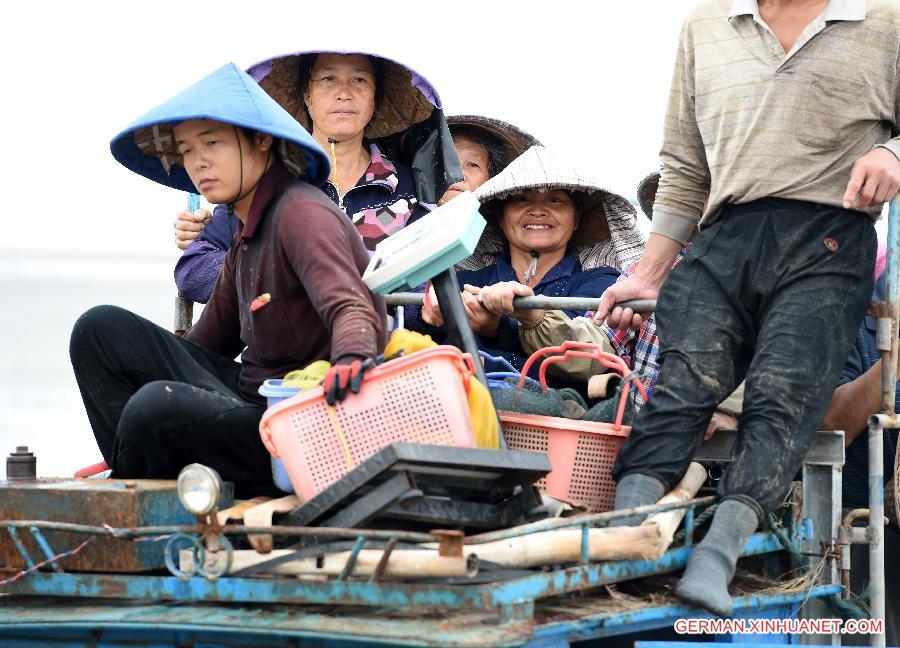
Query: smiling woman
(560, 235)
(539, 225)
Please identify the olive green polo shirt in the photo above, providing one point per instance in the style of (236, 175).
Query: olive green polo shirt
(745, 120)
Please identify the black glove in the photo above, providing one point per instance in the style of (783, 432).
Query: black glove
(341, 377)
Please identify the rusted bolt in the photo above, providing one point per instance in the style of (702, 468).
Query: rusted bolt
(878, 309)
(450, 542)
(21, 465)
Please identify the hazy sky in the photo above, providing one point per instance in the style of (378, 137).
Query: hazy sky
(587, 79)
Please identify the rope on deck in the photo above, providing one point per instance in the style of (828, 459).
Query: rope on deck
(698, 522)
(48, 561)
(853, 607)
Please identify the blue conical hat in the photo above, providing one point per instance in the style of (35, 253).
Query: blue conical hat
(228, 95)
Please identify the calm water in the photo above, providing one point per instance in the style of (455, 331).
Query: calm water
(39, 401)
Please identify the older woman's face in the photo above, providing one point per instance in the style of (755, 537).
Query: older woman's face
(341, 95)
(474, 160)
(536, 220)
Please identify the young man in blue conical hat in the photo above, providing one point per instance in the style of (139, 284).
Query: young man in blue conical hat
(290, 292)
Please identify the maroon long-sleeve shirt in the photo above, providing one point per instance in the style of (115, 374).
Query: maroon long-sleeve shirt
(301, 250)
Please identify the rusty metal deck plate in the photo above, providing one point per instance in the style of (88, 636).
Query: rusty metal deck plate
(117, 502)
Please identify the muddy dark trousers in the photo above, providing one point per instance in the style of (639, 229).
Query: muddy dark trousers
(771, 293)
(157, 402)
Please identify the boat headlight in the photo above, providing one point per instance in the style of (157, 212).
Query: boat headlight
(199, 488)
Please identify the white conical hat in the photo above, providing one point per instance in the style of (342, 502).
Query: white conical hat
(607, 235)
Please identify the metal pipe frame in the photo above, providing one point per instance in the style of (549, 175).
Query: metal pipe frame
(821, 503)
(538, 301)
(594, 519)
(216, 533)
(512, 599)
(875, 531)
(162, 624)
(288, 531)
(886, 419)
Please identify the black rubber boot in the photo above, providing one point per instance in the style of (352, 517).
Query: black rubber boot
(711, 566)
(635, 489)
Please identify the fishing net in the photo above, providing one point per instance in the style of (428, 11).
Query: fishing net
(564, 403)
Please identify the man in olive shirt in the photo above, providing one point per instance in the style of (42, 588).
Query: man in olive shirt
(785, 114)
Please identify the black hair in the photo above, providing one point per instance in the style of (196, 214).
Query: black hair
(579, 198)
(578, 201)
(496, 151)
(250, 135)
(306, 63)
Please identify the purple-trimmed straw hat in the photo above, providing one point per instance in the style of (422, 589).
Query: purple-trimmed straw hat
(408, 98)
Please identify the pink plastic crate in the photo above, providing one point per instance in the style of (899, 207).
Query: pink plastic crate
(420, 398)
(582, 453)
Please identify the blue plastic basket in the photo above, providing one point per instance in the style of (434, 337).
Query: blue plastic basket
(275, 393)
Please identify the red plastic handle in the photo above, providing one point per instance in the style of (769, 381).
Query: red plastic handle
(93, 469)
(468, 370)
(571, 349)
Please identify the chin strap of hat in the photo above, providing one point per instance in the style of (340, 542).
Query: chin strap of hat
(531, 271)
(337, 186)
(241, 195)
(241, 159)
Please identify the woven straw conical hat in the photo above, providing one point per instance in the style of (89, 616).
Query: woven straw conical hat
(607, 234)
(646, 193)
(512, 139)
(408, 97)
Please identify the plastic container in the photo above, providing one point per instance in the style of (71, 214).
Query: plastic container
(582, 453)
(419, 398)
(275, 393)
(427, 247)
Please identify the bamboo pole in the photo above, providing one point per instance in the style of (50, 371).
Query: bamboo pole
(402, 563)
(648, 541)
